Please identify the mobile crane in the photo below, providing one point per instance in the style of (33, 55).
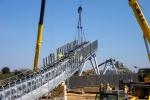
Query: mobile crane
(39, 36)
(142, 88)
(142, 22)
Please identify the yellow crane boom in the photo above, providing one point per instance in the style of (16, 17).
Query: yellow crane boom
(39, 37)
(142, 22)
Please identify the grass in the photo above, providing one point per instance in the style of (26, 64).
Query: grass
(5, 76)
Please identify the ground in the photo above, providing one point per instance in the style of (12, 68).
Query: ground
(85, 96)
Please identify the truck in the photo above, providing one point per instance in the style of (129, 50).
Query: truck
(141, 89)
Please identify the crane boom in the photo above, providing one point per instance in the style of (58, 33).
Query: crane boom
(39, 37)
(142, 22)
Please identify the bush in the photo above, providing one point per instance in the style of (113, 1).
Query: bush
(5, 70)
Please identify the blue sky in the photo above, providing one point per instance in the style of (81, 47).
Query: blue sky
(111, 22)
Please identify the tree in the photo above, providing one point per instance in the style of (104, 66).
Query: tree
(5, 70)
(16, 72)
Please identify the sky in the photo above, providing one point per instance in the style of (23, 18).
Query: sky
(111, 22)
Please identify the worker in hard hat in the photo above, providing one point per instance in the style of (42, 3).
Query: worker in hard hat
(109, 87)
(59, 56)
(126, 89)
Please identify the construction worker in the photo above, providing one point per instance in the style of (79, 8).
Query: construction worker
(109, 87)
(126, 89)
(59, 56)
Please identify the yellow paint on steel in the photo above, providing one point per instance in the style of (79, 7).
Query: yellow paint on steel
(38, 45)
(147, 79)
(149, 56)
(141, 20)
(134, 98)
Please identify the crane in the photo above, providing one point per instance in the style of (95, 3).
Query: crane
(39, 37)
(141, 89)
(142, 22)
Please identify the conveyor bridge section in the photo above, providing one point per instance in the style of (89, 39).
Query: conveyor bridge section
(36, 84)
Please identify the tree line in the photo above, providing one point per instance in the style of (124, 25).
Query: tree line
(6, 70)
